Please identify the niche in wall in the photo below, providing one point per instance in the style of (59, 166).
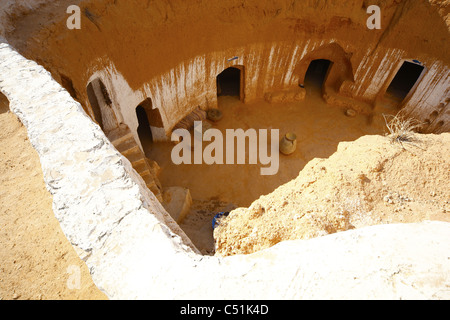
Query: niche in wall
(317, 73)
(150, 121)
(230, 82)
(405, 80)
(101, 105)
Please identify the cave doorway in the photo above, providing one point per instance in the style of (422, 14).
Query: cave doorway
(150, 124)
(144, 131)
(101, 105)
(231, 82)
(317, 73)
(405, 80)
(95, 106)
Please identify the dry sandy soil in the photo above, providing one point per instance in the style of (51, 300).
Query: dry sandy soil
(35, 255)
(368, 182)
(373, 182)
(216, 188)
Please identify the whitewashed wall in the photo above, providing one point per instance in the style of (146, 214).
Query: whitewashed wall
(430, 101)
(269, 67)
(135, 251)
(192, 83)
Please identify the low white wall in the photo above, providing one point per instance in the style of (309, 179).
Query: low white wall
(135, 251)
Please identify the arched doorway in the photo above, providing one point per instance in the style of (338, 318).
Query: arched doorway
(317, 73)
(101, 105)
(404, 81)
(144, 131)
(230, 82)
(95, 106)
(150, 124)
(328, 67)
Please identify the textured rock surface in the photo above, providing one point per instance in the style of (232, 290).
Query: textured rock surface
(37, 260)
(273, 41)
(131, 249)
(13, 8)
(177, 202)
(81, 167)
(366, 182)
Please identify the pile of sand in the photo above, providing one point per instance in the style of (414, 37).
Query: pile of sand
(367, 182)
(37, 260)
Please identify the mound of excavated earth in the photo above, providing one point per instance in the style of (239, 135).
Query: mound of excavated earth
(368, 182)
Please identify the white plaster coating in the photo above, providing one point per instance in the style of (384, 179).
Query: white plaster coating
(379, 77)
(104, 209)
(114, 83)
(55, 122)
(291, 66)
(190, 84)
(430, 93)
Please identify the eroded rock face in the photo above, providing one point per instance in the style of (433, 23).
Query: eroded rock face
(79, 162)
(273, 43)
(367, 182)
(130, 244)
(131, 253)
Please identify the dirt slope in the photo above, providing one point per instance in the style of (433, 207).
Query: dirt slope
(368, 182)
(34, 253)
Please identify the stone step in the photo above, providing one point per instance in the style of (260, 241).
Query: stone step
(140, 166)
(121, 133)
(124, 143)
(151, 184)
(123, 140)
(133, 154)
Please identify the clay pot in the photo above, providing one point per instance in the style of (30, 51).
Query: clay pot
(350, 113)
(214, 115)
(288, 144)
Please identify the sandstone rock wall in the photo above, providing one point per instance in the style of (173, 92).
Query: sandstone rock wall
(131, 245)
(134, 250)
(81, 167)
(172, 52)
(10, 9)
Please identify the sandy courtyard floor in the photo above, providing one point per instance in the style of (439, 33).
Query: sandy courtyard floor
(216, 188)
(36, 259)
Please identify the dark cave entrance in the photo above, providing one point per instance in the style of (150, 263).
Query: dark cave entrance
(148, 119)
(317, 73)
(231, 82)
(95, 105)
(405, 80)
(101, 104)
(144, 131)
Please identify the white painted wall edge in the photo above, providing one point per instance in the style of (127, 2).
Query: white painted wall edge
(121, 231)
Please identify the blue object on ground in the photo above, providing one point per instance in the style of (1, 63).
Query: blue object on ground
(217, 217)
